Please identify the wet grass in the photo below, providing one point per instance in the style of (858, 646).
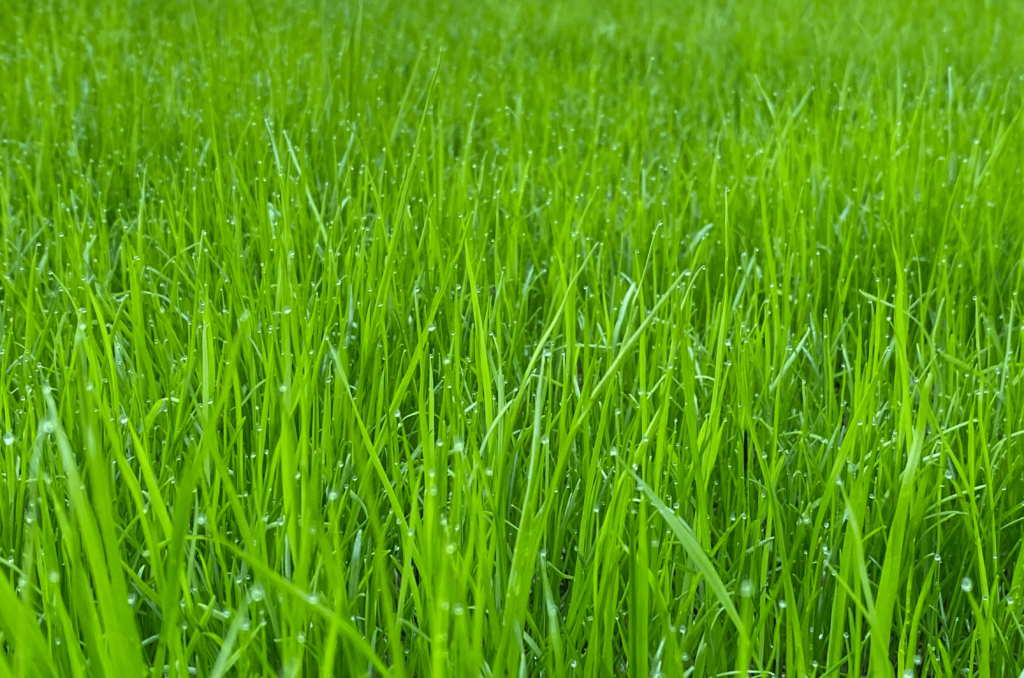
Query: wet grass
(511, 338)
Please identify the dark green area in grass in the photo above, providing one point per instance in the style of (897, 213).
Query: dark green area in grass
(511, 338)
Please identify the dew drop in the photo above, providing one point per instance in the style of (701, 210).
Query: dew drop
(746, 588)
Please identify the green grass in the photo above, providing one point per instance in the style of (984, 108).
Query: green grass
(511, 338)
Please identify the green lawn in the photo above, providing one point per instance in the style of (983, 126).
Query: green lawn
(511, 338)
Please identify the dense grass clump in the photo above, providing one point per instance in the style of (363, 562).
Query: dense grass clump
(511, 338)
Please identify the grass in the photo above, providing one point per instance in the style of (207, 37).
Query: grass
(511, 338)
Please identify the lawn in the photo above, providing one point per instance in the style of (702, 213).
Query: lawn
(498, 338)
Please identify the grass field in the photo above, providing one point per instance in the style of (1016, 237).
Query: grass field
(511, 338)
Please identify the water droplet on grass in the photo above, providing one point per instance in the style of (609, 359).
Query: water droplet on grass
(966, 585)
